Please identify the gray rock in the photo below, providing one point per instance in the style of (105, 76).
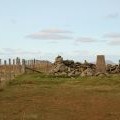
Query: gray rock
(71, 74)
(101, 74)
(89, 72)
(77, 73)
(58, 60)
(63, 74)
(83, 74)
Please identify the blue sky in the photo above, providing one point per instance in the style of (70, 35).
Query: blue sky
(75, 29)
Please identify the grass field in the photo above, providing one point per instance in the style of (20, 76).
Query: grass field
(39, 97)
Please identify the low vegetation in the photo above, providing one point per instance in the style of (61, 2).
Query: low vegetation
(41, 97)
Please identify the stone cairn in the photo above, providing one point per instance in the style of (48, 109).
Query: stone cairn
(71, 69)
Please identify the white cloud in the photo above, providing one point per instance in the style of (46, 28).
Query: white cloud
(112, 16)
(54, 31)
(11, 51)
(86, 40)
(112, 35)
(51, 34)
(113, 38)
(115, 42)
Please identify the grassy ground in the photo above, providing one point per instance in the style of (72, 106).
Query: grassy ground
(39, 97)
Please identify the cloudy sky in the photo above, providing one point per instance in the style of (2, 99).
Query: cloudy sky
(74, 29)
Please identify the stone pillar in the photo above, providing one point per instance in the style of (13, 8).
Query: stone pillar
(100, 64)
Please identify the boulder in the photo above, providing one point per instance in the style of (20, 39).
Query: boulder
(71, 74)
(87, 72)
(83, 74)
(58, 60)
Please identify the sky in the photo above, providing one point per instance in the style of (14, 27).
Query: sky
(74, 29)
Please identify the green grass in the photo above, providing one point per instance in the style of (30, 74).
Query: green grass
(42, 97)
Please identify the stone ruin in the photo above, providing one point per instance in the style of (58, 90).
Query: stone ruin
(71, 69)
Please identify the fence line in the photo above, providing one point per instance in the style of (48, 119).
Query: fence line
(11, 68)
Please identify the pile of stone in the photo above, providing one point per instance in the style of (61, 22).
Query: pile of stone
(112, 69)
(70, 68)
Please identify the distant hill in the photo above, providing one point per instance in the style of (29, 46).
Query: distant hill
(109, 62)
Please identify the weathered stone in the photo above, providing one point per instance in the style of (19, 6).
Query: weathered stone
(58, 60)
(100, 64)
(63, 74)
(101, 74)
(56, 74)
(89, 70)
(77, 73)
(83, 74)
(70, 68)
(71, 74)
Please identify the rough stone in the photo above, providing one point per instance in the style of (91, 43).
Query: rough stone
(70, 68)
(100, 64)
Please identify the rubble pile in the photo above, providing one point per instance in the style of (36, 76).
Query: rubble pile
(112, 69)
(70, 68)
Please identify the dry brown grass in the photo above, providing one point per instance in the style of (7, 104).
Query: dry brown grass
(38, 97)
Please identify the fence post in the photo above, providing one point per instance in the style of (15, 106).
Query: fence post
(5, 69)
(17, 66)
(23, 66)
(0, 71)
(14, 67)
(0, 61)
(119, 63)
(9, 71)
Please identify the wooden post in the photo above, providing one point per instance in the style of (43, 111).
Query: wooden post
(23, 66)
(9, 61)
(34, 62)
(5, 70)
(17, 66)
(14, 67)
(9, 71)
(0, 61)
(100, 64)
(0, 71)
(13, 61)
(119, 63)
(5, 62)
(29, 63)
